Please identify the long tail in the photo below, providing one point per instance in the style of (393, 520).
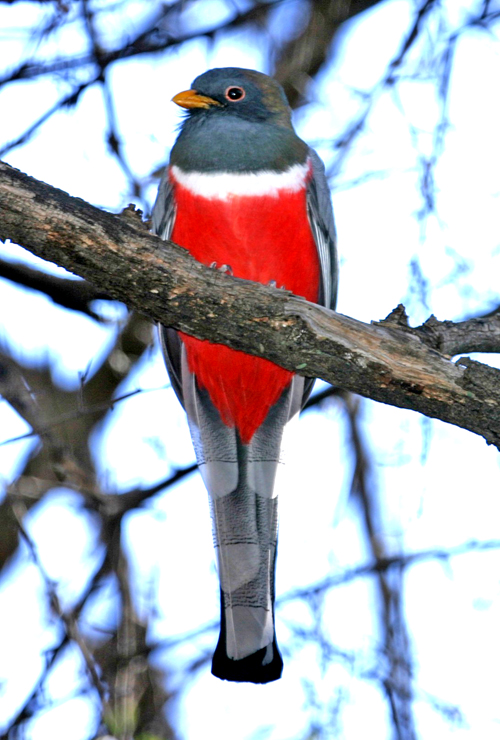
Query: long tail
(246, 532)
(240, 480)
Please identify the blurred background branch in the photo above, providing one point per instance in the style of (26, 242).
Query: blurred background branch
(106, 628)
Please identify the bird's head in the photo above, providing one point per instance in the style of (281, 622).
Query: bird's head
(238, 120)
(231, 91)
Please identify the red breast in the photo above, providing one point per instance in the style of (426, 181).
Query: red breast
(263, 237)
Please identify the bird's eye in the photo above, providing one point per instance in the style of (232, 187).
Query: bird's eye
(234, 93)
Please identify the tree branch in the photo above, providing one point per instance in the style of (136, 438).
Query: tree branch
(388, 362)
(76, 295)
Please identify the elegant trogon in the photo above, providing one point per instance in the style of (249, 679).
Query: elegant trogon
(244, 194)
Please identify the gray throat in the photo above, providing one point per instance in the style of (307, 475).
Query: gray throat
(218, 142)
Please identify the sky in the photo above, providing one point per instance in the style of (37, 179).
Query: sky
(439, 485)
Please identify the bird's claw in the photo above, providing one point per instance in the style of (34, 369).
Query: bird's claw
(274, 284)
(225, 269)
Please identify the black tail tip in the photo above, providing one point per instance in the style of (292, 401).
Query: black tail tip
(255, 668)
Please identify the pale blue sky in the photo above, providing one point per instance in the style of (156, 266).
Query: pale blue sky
(433, 499)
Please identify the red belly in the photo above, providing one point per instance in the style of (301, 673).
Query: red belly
(262, 238)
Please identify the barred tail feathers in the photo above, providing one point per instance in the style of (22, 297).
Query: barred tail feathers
(240, 479)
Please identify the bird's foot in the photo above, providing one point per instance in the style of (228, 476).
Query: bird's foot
(274, 284)
(225, 269)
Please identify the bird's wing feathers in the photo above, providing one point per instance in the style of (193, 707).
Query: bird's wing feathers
(163, 216)
(162, 223)
(320, 212)
(171, 346)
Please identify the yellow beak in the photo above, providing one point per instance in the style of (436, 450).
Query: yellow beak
(192, 99)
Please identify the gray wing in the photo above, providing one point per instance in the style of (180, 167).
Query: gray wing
(162, 223)
(320, 212)
(163, 216)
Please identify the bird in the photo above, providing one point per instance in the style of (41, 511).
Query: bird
(245, 195)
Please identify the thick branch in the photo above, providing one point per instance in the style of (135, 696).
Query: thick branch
(387, 362)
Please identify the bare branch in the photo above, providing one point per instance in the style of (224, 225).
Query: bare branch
(68, 619)
(481, 334)
(73, 294)
(399, 562)
(396, 677)
(301, 58)
(387, 363)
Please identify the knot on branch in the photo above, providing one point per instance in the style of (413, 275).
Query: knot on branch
(397, 317)
(134, 217)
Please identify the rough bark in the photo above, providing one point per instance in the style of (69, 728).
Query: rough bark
(388, 362)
